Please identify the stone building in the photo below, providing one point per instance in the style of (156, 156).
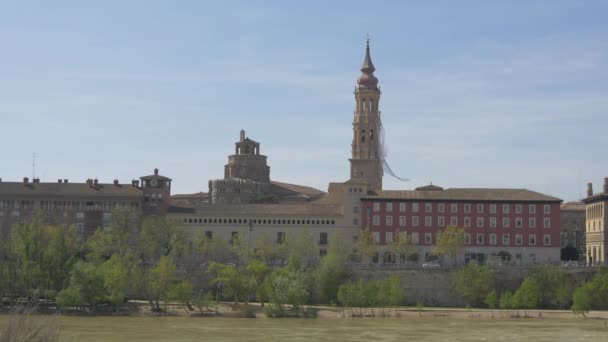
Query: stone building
(246, 203)
(572, 223)
(596, 229)
(86, 205)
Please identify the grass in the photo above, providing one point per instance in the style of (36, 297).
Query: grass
(23, 325)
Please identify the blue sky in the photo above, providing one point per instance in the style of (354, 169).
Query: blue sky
(475, 93)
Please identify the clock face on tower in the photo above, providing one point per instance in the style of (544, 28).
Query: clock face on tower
(153, 182)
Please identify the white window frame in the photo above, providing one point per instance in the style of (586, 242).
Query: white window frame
(415, 238)
(389, 220)
(454, 221)
(519, 237)
(428, 238)
(440, 207)
(531, 239)
(519, 222)
(546, 222)
(441, 221)
(493, 240)
(467, 208)
(480, 222)
(454, 208)
(492, 222)
(402, 207)
(480, 241)
(547, 208)
(415, 221)
(546, 240)
(467, 238)
(428, 221)
(506, 238)
(507, 221)
(376, 206)
(376, 220)
(493, 208)
(389, 207)
(467, 221)
(428, 207)
(480, 208)
(415, 207)
(402, 221)
(506, 208)
(532, 208)
(531, 222)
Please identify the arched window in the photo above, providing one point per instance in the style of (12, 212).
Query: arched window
(363, 105)
(371, 105)
(371, 135)
(362, 135)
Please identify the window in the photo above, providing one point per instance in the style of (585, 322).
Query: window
(415, 238)
(376, 220)
(505, 208)
(518, 239)
(402, 207)
(428, 207)
(505, 222)
(546, 222)
(467, 238)
(440, 207)
(467, 221)
(547, 240)
(532, 208)
(480, 222)
(389, 206)
(493, 208)
(518, 208)
(532, 222)
(532, 239)
(402, 221)
(492, 222)
(546, 208)
(454, 207)
(80, 228)
(428, 238)
(363, 131)
(493, 239)
(480, 208)
(376, 206)
(441, 221)
(428, 221)
(355, 222)
(415, 207)
(415, 221)
(388, 237)
(323, 238)
(280, 237)
(389, 220)
(467, 208)
(480, 239)
(518, 222)
(505, 239)
(235, 237)
(356, 210)
(80, 216)
(322, 252)
(376, 237)
(209, 235)
(454, 221)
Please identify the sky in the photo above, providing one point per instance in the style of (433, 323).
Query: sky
(501, 94)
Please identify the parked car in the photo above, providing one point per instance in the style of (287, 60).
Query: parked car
(431, 264)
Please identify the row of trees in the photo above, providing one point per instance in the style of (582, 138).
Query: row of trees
(544, 287)
(384, 293)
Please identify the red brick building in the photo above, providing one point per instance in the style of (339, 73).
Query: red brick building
(523, 223)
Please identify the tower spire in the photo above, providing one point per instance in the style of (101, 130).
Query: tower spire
(367, 80)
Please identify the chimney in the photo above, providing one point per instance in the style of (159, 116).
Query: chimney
(36, 180)
(606, 185)
(589, 189)
(25, 180)
(95, 181)
(89, 182)
(59, 181)
(116, 182)
(156, 172)
(65, 180)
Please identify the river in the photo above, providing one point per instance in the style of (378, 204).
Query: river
(410, 329)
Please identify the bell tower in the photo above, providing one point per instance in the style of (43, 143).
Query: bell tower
(366, 161)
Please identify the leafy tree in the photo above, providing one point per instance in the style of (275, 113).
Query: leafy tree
(86, 286)
(160, 278)
(366, 247)
(233, 282)
(582, 299)
(528, 295)
(303, 247)
(506, 300)
(116, 279)
(491, 300)
(473, 283)
(331, 271)
(212, 249)
(548, 279)
(402, 245)
(289, 287)
(450, 242)
(181, 292)
(258, 270)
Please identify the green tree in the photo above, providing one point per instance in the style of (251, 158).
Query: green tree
(402, 245)
(506, 300)
(232, 281)
(181, 292)
(366, 247)
(450, 242)
(473, 283)
(258, 270)
(491, 300)
(86, 285)
(582, 299)
(527, 296)
(116, 279)
(549, 279)
(158, 281)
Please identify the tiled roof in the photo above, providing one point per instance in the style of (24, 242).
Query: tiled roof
(573, 206)
(300, 189)
(68, 189)
(466, 194)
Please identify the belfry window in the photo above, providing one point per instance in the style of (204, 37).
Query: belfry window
(362, 135)
(371, 135)
(363, 105)
(371, 105)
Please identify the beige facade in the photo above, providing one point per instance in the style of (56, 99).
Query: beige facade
(596, 230)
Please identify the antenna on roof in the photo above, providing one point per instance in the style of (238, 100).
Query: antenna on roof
(34, 165)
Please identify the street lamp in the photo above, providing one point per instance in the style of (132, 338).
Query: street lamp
(249, 230)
